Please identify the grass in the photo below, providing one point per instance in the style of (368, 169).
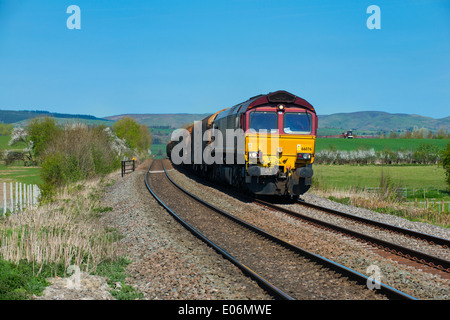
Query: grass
(42, 242)
(376, 144)
(158, 150)
(19, 173)
(350, 184)
(4, 140)
(20, 281)
(407, 176)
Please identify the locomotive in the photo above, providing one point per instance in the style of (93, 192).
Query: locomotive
(265, 145)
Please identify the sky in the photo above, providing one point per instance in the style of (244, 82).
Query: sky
(200, 56)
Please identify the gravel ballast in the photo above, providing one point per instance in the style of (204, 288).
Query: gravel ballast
(168, 262)
(346, 251)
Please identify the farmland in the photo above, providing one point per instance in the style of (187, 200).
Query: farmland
(430, 177)
(376, 144)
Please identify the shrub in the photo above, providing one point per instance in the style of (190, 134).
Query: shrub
(77, 153)
(426, 153)
(136, 136)
(12, 156)
(445, 154)
(41, 131)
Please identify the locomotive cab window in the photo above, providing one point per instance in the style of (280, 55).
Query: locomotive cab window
(297, 122)
(264, 121)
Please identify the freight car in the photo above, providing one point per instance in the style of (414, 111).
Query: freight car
(265, 145)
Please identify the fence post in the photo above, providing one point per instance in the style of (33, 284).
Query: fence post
(4, 198)
(16, 207)
(11, 196)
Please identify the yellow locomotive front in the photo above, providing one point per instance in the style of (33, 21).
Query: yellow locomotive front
(280, 133)
(280, 145)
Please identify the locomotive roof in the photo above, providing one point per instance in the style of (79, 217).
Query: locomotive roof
(273, 97)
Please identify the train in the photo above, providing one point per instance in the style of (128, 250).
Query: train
(264, 145)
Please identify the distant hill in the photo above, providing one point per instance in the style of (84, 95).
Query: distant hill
(8, 116)
(371, 121)
(173, 120)
(368, 121)
(381, 121)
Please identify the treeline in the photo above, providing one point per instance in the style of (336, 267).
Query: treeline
(73, 152)
(424, 154)
(416, 133)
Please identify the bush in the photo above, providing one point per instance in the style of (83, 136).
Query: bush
(12, 156)
(425, 154)
(78, 152)
(41, 131)
(135, 135)
(445, 154)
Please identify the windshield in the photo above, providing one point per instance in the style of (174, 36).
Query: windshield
(297, 122)
(264, 120)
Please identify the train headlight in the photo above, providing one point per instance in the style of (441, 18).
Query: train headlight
(253, 155)
(280, 107)
(303, 156)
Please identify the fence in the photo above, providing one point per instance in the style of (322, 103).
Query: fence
(18, 196)
(441, 206)
(410, 195)
(128, 166)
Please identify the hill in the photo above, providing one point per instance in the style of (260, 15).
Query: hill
(174, 120)
(381, 121)
(8, 116)
(364, 121)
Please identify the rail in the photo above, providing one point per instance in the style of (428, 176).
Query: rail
(352, 274)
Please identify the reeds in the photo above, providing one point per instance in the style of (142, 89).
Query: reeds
(66, 231)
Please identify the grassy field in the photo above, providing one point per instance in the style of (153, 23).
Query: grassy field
(411, 177)
(376, 144)
(158, 150)
(28, 175)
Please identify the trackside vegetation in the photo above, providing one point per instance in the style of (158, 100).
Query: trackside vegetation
(411, 183)
(76, 162)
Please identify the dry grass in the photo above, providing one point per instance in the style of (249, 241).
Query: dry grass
(384, 202)
(65, 231)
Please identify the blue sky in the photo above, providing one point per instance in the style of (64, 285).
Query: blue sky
(199, 56)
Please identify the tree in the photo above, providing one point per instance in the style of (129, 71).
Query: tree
(40, 132)
(446, 162)
(136, 136)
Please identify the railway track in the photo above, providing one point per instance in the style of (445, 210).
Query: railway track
(408, 255)
(417, 258)
(284, 270)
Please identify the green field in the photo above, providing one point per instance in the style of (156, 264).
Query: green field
(158, 150)
(13, 173)
(376, 144)
(4, 140)
(347, 176)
